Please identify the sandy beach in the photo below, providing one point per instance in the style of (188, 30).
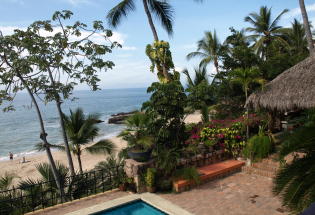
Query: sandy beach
(28, 170)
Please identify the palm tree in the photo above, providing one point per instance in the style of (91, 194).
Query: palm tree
(297, 38)
(208, 50)
(307, 27)
(199, 91)
(137, 132)
(6, 181)
(161, 9)
(294, 181)
(200, 77)
(81, 130)
(246, 77)
(265, 30)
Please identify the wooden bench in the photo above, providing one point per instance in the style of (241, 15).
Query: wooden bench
(210, 172)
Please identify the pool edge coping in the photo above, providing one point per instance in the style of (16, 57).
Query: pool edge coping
(152, 199)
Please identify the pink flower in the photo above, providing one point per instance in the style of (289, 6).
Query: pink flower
(238, 137)
(195, 136)
(221, 136)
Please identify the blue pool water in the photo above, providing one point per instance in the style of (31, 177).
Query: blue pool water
(133, 208)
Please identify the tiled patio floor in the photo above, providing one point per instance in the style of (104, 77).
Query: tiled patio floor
(238, 194)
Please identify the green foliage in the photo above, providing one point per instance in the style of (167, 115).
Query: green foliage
(161, 9)
(150, 177)
(230, 138)
(82, 129)
(187, 173)
(199, 90)
(6, 181)
(208, 49)
(166, 160)
(166, 110)
(295, 180)
(265, 30)
(137, 133)
(78, 59)
(205, 114)
(258, 146)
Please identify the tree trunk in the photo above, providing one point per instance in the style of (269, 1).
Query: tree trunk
(62, 125)
(307, 27)
(79, 161)
(43, 136)
(247, 117)
(146, 9)
(216, 64)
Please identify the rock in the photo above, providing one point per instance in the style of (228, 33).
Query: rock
(119, 117)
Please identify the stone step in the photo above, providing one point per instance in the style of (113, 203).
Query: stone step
(269, 161)
(266, 167)
(252, 170)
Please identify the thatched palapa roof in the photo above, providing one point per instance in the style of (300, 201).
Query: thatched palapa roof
(292, 89)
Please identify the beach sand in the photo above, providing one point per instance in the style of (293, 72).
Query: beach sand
(23, 171)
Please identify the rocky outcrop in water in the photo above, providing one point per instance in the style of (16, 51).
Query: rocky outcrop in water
(119, 117)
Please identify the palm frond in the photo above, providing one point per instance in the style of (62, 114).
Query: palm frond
(189, 80)
(163, 11)
(6, 181)
(121, 10)
(277, 19)
(196, 54)
(101, 147)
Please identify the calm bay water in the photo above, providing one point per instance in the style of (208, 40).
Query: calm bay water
(19, 130)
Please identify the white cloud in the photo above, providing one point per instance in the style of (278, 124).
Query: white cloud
(297, 11)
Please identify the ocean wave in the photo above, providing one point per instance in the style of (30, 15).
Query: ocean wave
(20, 155)
(35, 152)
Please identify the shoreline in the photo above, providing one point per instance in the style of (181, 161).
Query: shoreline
(27, 170)
(34, 152)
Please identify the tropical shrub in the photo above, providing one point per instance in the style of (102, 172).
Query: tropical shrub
(258, 146)
(230, 138)
(137, 134)
(150, 177)
(166, 111)
(187, 173)
(294, 181)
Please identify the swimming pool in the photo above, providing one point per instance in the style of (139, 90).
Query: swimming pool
(134, 204)
(138, 207)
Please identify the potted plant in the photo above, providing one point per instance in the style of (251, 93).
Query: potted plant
(124, 182)
(150, 179)
(139, 140)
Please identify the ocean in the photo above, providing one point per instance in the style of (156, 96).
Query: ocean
(19, 129)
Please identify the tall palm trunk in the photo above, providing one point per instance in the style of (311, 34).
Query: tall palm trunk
(62, 125)
(146, 9)
(307, 27)
(216, 65)
(247, 115)
(155, 35)
(43, 136)
(79, 159)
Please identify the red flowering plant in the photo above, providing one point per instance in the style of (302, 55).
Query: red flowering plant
(193, 141)
(224, 134)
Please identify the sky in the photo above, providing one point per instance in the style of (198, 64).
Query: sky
(191, 20)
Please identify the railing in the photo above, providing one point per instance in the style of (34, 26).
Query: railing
(27, 198)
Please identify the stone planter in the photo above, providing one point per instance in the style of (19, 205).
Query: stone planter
(139, 156)
(151, 189)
